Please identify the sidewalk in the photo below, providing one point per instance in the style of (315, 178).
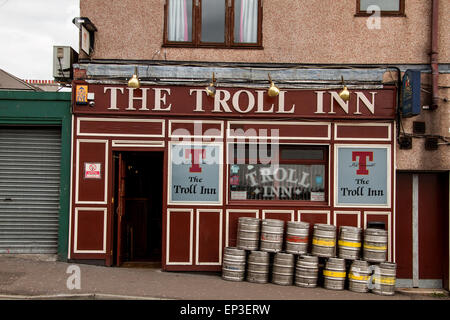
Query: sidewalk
(41, 277)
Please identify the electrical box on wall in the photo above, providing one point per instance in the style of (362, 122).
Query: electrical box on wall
(63, 59)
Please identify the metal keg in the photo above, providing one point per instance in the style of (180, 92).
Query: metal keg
(324, 240)
(272, 231)
(375, 245)
(307, 271)
(384, 279)
(258, 267)
(283, 269)
(349, 243)
(297, 237)
(359, 276)
(248, 233)
(233, 266)
(334, 274)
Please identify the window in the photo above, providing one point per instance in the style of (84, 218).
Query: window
(288, 173)
(213, 23)
(386, 7)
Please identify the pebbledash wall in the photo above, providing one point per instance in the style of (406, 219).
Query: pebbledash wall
(349, 181)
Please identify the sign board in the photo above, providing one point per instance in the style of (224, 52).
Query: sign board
(362, 176)
(85, 40)
(92, 170)
(195, 173)
(410, 97)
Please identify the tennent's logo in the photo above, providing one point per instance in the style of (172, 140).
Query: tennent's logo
(195, 155)
(362, 157)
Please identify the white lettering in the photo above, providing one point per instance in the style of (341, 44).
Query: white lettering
(260, 105)
(281, 104)
(335, 97)
(319, 108)
(251, 101)
(198, 99)
(113, 97)
(365, 101)
(221, 102)
(161, 98)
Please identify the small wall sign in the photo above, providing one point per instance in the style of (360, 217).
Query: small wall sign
(92, 170)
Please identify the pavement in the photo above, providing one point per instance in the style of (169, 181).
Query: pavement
(42, 277)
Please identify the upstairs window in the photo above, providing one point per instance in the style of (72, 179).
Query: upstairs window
(213, 23)
(386, 7)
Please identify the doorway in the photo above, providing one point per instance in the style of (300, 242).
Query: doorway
(138, 181)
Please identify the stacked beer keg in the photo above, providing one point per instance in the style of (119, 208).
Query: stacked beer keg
(357, 260)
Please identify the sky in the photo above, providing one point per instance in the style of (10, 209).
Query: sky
(28, 31)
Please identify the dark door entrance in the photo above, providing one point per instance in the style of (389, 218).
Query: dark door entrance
(138, 208)
(422, 229)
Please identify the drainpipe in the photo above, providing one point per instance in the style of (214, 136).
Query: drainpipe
(434, 54)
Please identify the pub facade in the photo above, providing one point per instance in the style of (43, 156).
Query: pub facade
(163, 173)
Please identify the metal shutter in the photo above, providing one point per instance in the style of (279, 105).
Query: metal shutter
(29, 189)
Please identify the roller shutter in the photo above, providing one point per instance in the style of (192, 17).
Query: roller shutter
(30, 160)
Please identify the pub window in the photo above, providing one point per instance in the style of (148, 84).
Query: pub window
(213, 23)
(386, 7)
(283, 173)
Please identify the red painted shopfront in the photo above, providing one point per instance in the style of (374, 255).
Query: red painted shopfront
(164, 173)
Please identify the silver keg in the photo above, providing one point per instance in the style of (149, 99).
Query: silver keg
(233, 266)
(324, 240)
(384, 279)
(307, 271)
(375, 245)
(297, 237)
(334, 274)
(248, 233)
(359, 276)
(349, 243)
(272, 232)
(258, 267)
(283, 269)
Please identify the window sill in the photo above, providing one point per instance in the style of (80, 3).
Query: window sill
(382, 14)
(191, 46)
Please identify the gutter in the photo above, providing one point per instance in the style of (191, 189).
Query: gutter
(434, 54)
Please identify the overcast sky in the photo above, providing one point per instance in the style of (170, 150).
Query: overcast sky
(28, 31)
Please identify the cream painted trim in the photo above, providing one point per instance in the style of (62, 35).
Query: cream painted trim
(105, 214)
(191, 236)
(227, 220)
(388, 182)
(327, 212)
(357, 213)
(279, 123)
(365, 124)
(105, 169)
(138, 143)
(196, 122)
(291, 212)
(169, 176)
(69, 249)
(197, 262)
(161, 135)
(381, 213)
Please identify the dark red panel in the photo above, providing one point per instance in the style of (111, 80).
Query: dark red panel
(179, 236)
(346, 219)
(91, 189)
(313, 218)
(208, 236)
(362, 131)
(432, 212)
(285, 216)
(197, 129)
(90, 230)
(233, 220)
(121, 127)
(403, 226)
(296, 130)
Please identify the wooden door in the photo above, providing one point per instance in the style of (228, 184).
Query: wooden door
(120, 211)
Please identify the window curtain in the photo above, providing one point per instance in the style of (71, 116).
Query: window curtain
(249, 21)
(178, 21)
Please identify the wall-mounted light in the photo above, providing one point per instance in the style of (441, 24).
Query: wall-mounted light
(273, 91)
(344, 94)
(134, 81)
(211, 89)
